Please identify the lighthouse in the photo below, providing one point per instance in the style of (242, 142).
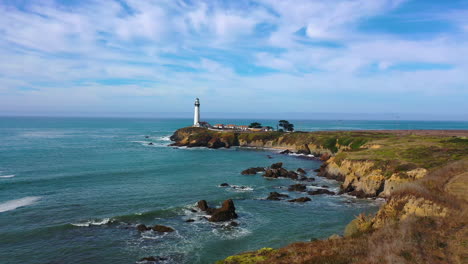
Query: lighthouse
(196, 117)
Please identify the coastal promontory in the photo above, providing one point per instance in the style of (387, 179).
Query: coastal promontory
(421, 174)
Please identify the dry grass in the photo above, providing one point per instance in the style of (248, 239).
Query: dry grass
(441, 240)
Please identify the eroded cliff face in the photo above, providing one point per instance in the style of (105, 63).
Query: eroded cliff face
(401, 207)
(364, 179)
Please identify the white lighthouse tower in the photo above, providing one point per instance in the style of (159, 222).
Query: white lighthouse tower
(196, 117)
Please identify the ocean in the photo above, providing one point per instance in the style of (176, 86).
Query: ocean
(72, 190)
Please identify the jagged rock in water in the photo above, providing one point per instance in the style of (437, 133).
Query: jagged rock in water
(321, 191)
(203, 205)
(142, 228)
(224, 185)
(190, 220)
(300, 200)
(297, 187)
(311, 179)
(153, 260)
(162, 229)
(277, 165)
(151, 143)
(225, 213)
(274, 196)
(252, 171)
(301, 171)
(287, 151)
(280, 173)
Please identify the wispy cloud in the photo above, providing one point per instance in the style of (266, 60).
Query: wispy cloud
(105, 55)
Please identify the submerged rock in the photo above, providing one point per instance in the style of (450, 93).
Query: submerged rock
(300, 200)
(151, 143)
(274, 196)
(224, 185)
(301, 171)
(142, 228)
(233, 223)
(311, 179)
(321, 191)
(163, 229)
(152, 259)
(190, 220)
(297, 187)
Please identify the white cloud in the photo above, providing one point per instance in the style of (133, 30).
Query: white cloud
(66, 50)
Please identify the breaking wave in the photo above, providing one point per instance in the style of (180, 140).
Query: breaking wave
(13, 204)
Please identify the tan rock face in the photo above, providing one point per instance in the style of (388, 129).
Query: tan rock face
(400, 208)
(396, 180)
(362, 176)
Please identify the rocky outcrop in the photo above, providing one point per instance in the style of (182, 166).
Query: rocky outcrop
(142, 228)
(321, 191)
(225, 213)
(202, 137)
(252, 171)
(297, 188)
(162, 229)
(153, 260)
(364, 178)
(276, 170)
(274, 196)
(300, 200)
(401, 207)
(157, 228)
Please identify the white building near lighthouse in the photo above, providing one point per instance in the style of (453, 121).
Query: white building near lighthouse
(196, 116)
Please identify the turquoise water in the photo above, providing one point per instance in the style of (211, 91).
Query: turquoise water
(73, 189)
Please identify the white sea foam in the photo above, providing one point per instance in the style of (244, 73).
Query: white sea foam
(241, 188)
(44, 134)
(233, 233)
(95, 222)
(7, 176)
(13, 204)
(164, 138)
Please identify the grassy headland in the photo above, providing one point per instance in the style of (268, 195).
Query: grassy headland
(423, 175)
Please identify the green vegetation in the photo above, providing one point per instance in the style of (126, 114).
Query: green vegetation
(248, 258)
(255, 125)
(286, 125)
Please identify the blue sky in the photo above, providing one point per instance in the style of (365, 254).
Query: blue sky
(244, 56)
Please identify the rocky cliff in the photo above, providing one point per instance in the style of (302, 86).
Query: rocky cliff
(368, 163)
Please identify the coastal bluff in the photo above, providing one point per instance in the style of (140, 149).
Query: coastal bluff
(368, 163)
(421, 174)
